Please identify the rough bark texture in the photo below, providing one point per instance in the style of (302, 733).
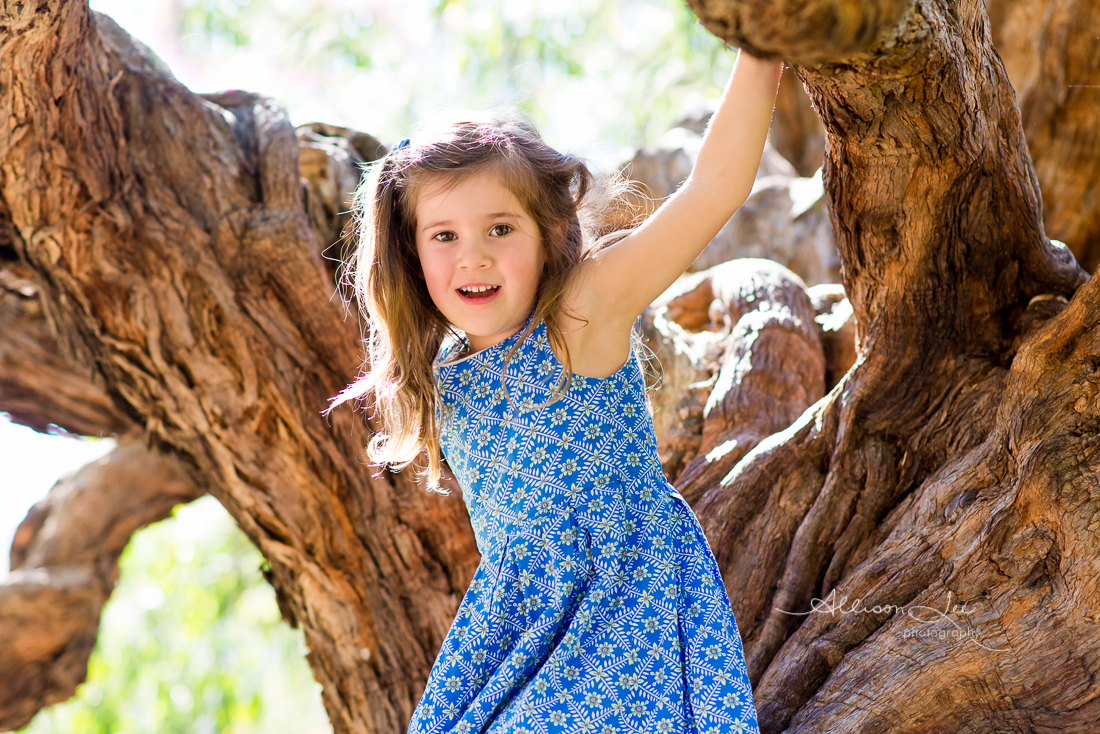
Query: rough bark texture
(64, 556)
(172, 239)
(64, 562)
(1051, 52)
(943, 450)
(741, 356)
(796, 130)
(722, 341)
(955, 465)
(38, 385)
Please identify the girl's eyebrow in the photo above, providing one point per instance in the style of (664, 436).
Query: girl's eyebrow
(445, 222)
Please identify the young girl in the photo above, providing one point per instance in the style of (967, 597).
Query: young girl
(598, 606)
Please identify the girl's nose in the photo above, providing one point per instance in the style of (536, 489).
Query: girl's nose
(474, 255)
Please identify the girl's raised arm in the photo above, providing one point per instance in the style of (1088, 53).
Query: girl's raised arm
(626, 277)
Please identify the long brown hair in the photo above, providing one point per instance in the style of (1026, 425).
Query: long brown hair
(566, 200)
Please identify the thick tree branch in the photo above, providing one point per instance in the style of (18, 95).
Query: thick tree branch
(802, 32)
(773, 367)
(1051, 52)
(64, 562)
(944, 260)
(39, 386)
(172, 236)
(992, 551)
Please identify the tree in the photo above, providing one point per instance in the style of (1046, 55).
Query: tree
(1050, 54)
(184, 197)
(177, 261)
(955, 463)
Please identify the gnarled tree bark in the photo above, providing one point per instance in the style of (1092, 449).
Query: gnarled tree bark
(172, 240)
(65, 565)
(929, 477)
(1051, 52)
(955, 463)
(64, 557)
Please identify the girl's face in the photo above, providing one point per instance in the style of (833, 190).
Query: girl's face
(472, 235)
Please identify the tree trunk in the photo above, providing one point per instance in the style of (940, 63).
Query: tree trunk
(172, 239)
(953, 467)
(947, 482)
(796, 130)
(1051, 51)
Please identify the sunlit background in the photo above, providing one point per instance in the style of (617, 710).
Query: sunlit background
(191, 640)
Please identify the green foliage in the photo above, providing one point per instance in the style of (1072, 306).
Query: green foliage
(619, 70)
(191, 641)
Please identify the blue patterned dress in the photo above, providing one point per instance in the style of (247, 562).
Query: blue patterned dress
(598, 607)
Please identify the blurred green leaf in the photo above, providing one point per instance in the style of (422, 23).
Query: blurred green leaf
(631, 67)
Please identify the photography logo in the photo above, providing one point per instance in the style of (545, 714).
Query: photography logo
(930, 620)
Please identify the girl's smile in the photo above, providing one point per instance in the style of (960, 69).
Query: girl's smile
(478, 295)
(481, 256)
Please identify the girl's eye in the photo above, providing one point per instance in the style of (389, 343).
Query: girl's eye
(507, 227)
(446, 236)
